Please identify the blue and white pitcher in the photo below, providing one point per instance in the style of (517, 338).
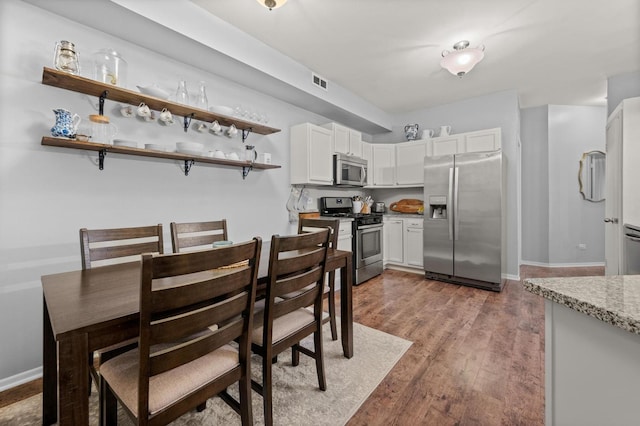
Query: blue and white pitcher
(66, 124)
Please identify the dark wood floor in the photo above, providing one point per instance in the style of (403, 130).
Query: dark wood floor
(477, 356)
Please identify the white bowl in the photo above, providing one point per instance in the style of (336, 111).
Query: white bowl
(154, 91)
(233, 156)
(191, 148)
(122, 142)
(221, 109)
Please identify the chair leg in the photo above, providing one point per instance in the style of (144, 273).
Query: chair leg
(332, 306)
(200, 408)
(246, 412)
(108, 409)
(295, 355)
(319, 357)
(266, 391)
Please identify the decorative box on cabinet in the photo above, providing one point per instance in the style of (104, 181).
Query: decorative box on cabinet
(311, 155)
(345, 140)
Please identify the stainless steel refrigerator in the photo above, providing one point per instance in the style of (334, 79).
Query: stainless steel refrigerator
(463, 233)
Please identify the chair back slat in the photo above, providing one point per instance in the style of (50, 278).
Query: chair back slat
(315, 224)
(119, 244)
(197, 235)
(165, 359)
(302, 241)
(291, 262)
(171, 265)
(297, 282)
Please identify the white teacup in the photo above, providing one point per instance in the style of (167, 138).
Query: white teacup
(165, 116)
(202, 127)
(215, 127)
(232, 131)
(143, 110)
(218, 154)
(152, 116)
(126, 111)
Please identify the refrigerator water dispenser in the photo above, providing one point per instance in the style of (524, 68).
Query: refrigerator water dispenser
(438, 207)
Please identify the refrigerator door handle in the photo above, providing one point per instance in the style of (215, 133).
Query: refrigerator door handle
(449, 203)
(456, 217)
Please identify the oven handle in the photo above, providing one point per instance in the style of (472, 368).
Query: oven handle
(377, 225)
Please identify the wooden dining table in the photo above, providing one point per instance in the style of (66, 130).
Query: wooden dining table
(90, 309)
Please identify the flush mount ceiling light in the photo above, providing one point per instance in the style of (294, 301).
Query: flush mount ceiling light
(272, 4)
(462, 59)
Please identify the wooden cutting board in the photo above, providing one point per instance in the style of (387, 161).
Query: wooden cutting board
(407, 205)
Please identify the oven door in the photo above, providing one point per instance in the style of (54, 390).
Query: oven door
(368, 245)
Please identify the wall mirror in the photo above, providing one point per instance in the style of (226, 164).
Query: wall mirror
(591, 175)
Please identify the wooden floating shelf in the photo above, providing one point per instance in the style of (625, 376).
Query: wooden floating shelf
(140, 152)
(52, 77)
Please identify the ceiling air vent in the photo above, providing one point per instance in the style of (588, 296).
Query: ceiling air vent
(319, 81)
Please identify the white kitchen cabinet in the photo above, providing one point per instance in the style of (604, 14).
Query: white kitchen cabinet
(410, 162)
(478, 141)
(413, 242)
(367, 154)
(393, 242)
(345, 140)
(345, 236)
(403, 239)
(384, 164)
(311, 155)
(445, 145)
(482, 140)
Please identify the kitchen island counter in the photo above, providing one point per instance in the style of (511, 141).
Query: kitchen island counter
(613, 299)
(592, 348)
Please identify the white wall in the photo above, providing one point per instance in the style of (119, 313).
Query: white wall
(47, 193)
(483, 112)
(621, 87)
(555, 218)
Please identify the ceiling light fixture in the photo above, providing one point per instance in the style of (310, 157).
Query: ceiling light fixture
(272, 4)
(461, 60)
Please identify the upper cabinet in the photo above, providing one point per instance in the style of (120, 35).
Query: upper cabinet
(345, 140)
(383, 164)
(410, 162)
(367, 154)
(481, 140)
(311, 155)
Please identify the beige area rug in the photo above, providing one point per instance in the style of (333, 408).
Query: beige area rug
(297, 399)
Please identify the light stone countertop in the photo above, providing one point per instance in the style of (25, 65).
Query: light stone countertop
(612, 299)
(398, 214)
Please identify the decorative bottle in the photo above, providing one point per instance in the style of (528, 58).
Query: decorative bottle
(201, 101)
(182, 95)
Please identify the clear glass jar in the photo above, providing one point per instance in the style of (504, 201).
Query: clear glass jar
(201, 101)
(66, 58)
(110, 67)
(182, 94)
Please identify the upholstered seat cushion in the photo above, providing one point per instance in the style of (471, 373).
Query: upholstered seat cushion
(285, 325)
(121, 373)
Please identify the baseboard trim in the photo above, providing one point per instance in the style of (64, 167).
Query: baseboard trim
(404, 268)
(562, 265)
(511, 277)
(20, 378)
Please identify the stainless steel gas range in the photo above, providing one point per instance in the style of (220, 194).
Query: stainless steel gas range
(367, 236)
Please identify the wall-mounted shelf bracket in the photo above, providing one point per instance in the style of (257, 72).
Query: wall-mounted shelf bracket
(187, 166)
(245, 171)
(103, 96)
(101, 154)
(187, 121)
(245, 134)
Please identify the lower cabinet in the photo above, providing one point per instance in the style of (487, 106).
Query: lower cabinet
(403, 242)
(345, 236)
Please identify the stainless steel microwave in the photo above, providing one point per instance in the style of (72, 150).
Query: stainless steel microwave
(349, 170)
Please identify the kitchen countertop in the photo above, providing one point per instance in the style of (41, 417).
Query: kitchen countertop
(397, 214)
(612, 299)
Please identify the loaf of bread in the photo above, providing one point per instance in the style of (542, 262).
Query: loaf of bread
(407, 205)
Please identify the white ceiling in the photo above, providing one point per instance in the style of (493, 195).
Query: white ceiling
(388, 52)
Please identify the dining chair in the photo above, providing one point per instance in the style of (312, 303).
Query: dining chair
(196, 235)
(329, 291)
(180, 362)
(116, 245)
(296, 265)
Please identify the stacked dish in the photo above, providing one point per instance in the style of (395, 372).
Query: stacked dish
(191, 148)
(156, 147)
(122, 142)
